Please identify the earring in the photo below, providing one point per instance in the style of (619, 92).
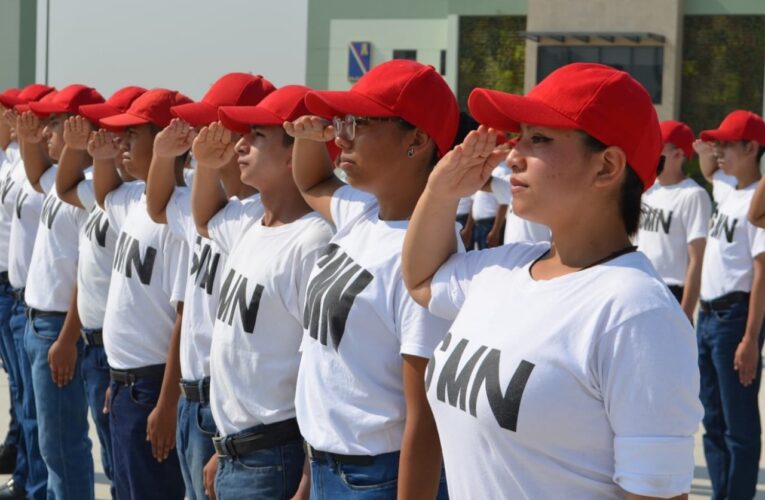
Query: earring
(410, 153)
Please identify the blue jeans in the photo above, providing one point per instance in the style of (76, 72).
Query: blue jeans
(137, 474)
(62, 415)
(37, 473)
(481, 229)
(193, 442)
(731, 411)
(271, 473)
(15, 436)
(332, 480)
(95, 375)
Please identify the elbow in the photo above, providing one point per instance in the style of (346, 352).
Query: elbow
(156, 213)
(202, 230)
(757, 219)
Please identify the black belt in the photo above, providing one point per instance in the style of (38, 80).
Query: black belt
(4, 277)
(267, 436)
(18, 294)
(677, 291)
(93, 337)
(725, 302)
(337, 457)
(191, 390)
(37, 313)
(130, 376)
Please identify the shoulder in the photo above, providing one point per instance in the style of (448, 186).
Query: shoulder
(314, 231)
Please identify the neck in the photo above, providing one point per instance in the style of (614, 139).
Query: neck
(587, 239)
(671, 176)
(398, 200)
(283, 204)
(747, 177)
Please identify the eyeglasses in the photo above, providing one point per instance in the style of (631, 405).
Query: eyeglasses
(345, 127)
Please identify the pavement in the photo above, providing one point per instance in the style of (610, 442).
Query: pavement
(700, 489)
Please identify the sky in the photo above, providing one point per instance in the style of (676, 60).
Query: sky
(178, 44)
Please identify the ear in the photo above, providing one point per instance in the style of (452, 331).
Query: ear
(612, 161)
(751, 148)
(419, 141)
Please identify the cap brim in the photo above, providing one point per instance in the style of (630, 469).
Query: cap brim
(122, 121)
(331, 103)
(96, 112)
(242, 118)
(197, 114)
(10, 101)
(718, 135)
(506, 112)
(43, 109)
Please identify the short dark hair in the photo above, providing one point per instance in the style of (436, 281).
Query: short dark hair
(287, 140)
(630, 207)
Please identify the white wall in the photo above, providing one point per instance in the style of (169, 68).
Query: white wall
(178, 44)
(427, 36)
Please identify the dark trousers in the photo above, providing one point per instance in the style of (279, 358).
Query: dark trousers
(481, 229)
(731, 411)
(137, 474)
(14, 437)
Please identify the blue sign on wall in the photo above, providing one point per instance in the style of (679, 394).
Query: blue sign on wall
(359, 59)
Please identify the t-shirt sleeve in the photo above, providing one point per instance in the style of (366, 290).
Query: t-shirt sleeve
(229, 224)
(500, 187)
(417, 329)
(312, 244)
(451, 283)
(697, 210)
(117, 203)
(48, 179)
(176, 262)
(653, 421)
(348, 204)
(87, 194)
(757, 239)
(178, 213)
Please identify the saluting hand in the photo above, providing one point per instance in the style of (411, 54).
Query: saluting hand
(29, 128)
(77, 132)
(214, 146)
(466, 168)
(703, 148)
(314, 128)
(9, 117)
(103, 145)
(174, 140)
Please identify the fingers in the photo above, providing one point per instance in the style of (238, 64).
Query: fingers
(107, 401)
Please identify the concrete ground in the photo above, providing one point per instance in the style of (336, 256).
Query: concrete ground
(701, 488)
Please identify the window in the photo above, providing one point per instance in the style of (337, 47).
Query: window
(405, 54)
(644, 63)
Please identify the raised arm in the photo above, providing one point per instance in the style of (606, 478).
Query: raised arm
(213, 148)
(707, 159)
(29, 130)
(169, 144)
(757, 206)
(312, 167)
(430, 238)
(73, 159)
(103, 146)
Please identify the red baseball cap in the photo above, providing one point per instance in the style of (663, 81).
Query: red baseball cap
(406, 89)
(284, 104)
(118, 103)
(23, 107)
(679, 134)
(739, 125)
(233, 89)
(606, 103)
(68, 100)
(33, 92)
(9, 93)
(153, 106)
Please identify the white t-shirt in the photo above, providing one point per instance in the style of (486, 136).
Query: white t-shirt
(140, 310)
(673, 216)
(206, 264)
(517, 230)
(94, 269)
(259, 326)
(464, 206)
(558, 388)
(731, 247)
(722, 185)
(484, 206)
(53, 270)
(359, 320)
(8, 191)
(25, 220)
